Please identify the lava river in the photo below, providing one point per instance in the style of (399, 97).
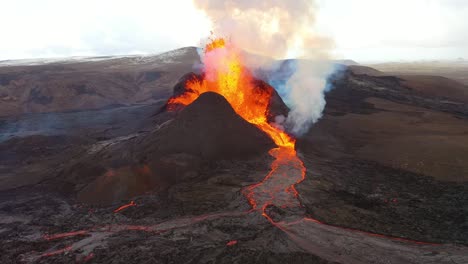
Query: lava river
(225, 75)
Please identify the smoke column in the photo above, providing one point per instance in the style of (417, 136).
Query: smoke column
(279, 29)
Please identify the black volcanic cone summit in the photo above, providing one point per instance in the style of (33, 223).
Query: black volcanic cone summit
(211, 129)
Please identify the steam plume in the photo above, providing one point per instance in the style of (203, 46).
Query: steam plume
(279, 29)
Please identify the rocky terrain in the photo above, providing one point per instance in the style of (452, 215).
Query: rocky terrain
(91, 83)
(453, 69)
(386, 181)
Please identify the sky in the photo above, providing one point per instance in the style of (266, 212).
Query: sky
(362, 30)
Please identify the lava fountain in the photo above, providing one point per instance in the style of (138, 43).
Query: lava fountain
(225, 74)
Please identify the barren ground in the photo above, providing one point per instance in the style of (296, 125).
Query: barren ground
(386, 182)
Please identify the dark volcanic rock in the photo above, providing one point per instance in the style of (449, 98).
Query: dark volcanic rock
(180, 87)
(377, 162)
(211, 129)
(205, 131)
(276, 106)
(364, 163)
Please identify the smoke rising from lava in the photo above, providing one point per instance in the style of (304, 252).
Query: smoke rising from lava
(279, 29)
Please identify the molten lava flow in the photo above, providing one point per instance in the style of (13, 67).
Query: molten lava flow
(67, 234)
(231, 243)
(57, 252)
(225, 75)
(277, 188)
(125, 206)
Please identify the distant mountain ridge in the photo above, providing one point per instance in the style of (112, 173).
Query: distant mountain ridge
(69, 85)
(84, 83)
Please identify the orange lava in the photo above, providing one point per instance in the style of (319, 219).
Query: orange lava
(277, 188)
(225, 74)
(231, 243)
(123, 207)
(88, 257)
(68, 234)
(57, 252)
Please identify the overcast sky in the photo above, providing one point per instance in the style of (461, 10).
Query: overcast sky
(363, 30)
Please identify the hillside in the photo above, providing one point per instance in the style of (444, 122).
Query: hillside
(90, 83)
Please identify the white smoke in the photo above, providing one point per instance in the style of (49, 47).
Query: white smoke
(279, 29)
(306, 97)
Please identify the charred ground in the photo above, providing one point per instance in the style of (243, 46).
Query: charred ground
(385, 159)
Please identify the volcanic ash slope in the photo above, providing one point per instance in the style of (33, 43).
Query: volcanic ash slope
(206, 130)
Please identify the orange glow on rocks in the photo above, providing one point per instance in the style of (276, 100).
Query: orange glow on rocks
(231, 243)
(123, 207)
(226, 75)
(64, 235)
(277, 188)
(57, 252)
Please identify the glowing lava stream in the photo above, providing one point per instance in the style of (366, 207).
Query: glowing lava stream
(277, 188)
(225, 75)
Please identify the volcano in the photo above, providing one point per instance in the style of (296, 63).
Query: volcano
(209, 128)
(206, 130)
(206, 176)
(212, 119)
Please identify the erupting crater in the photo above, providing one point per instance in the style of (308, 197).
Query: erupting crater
(225, 74)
